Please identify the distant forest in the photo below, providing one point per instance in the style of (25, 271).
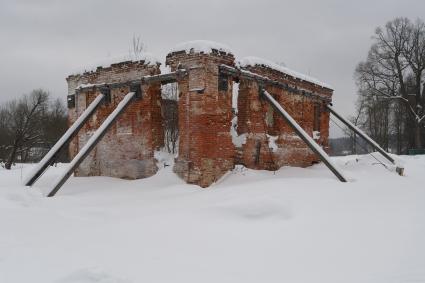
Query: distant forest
(30, 126)
(391, 88)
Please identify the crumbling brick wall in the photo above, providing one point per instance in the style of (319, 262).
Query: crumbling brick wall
(206, 151)
(252, 122)
(127, 149)
(270, 141)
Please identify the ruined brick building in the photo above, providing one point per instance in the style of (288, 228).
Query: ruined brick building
(222, 118)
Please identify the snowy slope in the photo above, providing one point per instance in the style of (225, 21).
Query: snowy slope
(295, 225)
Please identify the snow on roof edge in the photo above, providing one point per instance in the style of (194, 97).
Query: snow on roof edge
(148, 58)
(198, 46)
(253, 61)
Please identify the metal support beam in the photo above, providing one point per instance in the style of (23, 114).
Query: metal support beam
(91, 143)
(361, 134)
(304, 136)
(161, 78)
(50, 157)
(165, 78)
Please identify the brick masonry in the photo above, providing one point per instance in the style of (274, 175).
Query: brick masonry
(263, 126)
(127, 150)
(206, 151)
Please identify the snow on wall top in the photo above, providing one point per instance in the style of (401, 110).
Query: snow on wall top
(256, 61)
(148, 58)
(198, 46)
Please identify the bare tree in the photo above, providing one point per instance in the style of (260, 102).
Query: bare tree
(137, 47)
(4, 136)
(23, 123)
(29, 126)
(357, 121)
(170, 115)
(54, 125)
(54, 122)
(394, 70)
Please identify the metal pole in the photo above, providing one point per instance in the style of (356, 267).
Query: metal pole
(304, 136)
(63, 141)
(91, 143)
(361, 133)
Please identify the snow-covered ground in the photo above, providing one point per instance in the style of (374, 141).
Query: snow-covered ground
(295, 225)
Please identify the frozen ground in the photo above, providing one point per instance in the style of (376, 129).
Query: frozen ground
(297, 225)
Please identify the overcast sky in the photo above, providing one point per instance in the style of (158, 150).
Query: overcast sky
(43, 41)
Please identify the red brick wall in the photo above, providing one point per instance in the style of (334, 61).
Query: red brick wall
(127, 150)
(255, 152)
(261, 123)
(206, 151)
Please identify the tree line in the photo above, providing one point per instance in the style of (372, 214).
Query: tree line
(29, 126)
(391, 87)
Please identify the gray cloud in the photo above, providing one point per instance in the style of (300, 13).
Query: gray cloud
(43, 41)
